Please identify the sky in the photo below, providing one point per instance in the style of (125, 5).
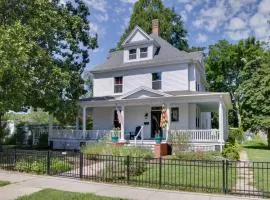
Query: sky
(206, 21)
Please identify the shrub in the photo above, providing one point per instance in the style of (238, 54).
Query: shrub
(198, 155)
(235, 135)
(180, 142)
(39, 166)
(43, 141)
(231, 151)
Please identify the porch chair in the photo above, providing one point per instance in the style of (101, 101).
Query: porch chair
(132, 135)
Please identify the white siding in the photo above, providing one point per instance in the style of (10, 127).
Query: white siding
(175, 80)
(134, 116)
(183, 117)
(192, 78)
(103, 118)
(131, 82)
(103, 86)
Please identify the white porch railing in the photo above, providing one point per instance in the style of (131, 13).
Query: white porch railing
(139, 133)
(78, 134)
(209, 135)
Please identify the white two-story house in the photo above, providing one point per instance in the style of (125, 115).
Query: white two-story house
(132, 85)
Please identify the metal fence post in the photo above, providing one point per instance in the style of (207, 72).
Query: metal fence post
(48, 162)
(128, 169)
(160, 174)
(225, 175)
(81, 165)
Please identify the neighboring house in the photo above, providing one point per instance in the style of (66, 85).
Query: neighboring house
(134, 83)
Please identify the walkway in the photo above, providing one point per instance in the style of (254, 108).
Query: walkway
(245, 180)
(23, 184)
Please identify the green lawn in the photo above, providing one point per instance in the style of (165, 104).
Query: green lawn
(187, 175)
(257, 151)
(59, 195)
(3, 183)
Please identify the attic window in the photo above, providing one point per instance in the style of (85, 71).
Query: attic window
(143, 52)
(132, 54)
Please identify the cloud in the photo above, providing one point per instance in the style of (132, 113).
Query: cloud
(129, 1)
(201, 38)
(236, 23)
(188, 7)
(183, 15)
(101, 7)
(96, 29)
(238, 34)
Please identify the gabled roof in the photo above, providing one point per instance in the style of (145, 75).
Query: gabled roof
(165, 54)
(148, 92)
(136, 30)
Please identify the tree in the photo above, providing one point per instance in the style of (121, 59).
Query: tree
(171, 24)
(45, 48)
(226, 69)
(255, 97)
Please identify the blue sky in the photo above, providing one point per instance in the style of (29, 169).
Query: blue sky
(206, 21)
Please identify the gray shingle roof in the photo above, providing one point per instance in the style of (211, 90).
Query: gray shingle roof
(166, 53)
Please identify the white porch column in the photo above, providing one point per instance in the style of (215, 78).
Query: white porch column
(122, 137)
(168, 110)
(77, 123)
(84, 119)
(221, 111)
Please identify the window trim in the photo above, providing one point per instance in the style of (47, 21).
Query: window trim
(118, 84)
(176, 110)
(130, 55)
(144, 53)
(157, 81)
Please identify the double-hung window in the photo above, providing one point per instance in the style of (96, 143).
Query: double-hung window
(143, 52)
(118, 84)
(156, 81)
(132, 54)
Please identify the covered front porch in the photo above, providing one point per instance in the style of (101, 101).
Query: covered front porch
(137, 115)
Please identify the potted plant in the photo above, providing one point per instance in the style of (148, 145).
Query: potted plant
(115, 135)
(158, 137)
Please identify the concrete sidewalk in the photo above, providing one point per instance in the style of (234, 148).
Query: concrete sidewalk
(23, 184)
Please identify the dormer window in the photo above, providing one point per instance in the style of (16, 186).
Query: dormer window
(143, 52)
(132, 54)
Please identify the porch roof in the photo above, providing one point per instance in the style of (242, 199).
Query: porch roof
(158, 98)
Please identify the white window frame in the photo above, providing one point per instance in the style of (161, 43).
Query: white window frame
(131, 55)
(117, 85)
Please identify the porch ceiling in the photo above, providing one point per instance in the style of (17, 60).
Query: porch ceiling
(209, 106)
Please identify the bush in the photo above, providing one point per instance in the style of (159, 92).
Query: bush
(42, 141)
(235, 135)
(180, 142)
(231, 151)
(39, 166)
(198, 155)
(105, 149)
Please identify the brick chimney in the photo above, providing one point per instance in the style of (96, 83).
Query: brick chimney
(155, 26)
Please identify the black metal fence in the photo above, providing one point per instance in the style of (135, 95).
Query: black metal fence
(221, 176)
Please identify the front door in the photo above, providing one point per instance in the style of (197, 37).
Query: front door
(155, 121)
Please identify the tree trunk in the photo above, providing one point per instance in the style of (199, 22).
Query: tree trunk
(238, 114)
(1, 132)
(268, 137)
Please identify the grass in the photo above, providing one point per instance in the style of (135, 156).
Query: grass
(258, 153)
(187, 175)
(3, 183)
(59, 195)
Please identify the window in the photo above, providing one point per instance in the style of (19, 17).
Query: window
(118, 84)
(174, 114)
(132, 54)
(143, 52)
(197, 86)
(156, 81)
(197, 118)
